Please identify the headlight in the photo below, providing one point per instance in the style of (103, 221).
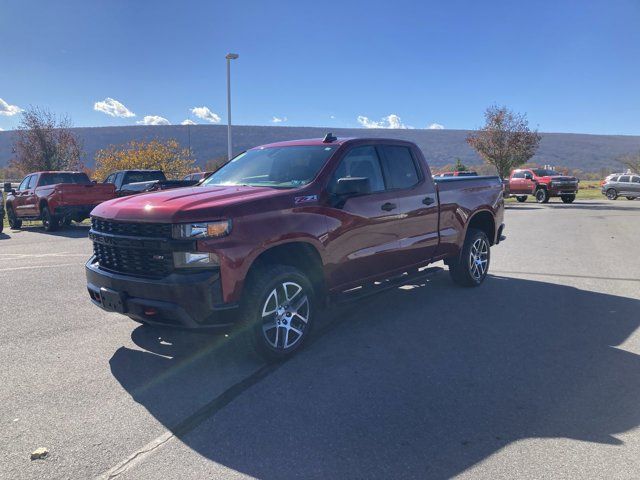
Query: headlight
(195, 260)
(202, 229)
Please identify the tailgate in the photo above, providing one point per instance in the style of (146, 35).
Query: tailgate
(91, 194)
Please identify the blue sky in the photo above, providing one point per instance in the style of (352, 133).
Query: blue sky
(572, 66)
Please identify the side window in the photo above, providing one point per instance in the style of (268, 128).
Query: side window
(110, 178)
(399, 166)
(360, 162)
(118, 179)
(518, 175)
(32, 182)
(24, 183)
(613, 179)
(635, 179)
(624, 178)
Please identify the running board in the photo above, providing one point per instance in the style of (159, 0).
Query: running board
(357, 293)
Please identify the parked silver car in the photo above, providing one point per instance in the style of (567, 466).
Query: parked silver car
(623, 185)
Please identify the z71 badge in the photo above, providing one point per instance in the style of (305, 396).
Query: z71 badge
(306, 199)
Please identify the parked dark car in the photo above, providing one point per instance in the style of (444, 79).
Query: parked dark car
(625, 185)
(130, 182)
(284, 228)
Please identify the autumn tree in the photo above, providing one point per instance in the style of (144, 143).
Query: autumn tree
(631, 161)
(167, 156)
(215, 163)
(45, 142)
(505, 141)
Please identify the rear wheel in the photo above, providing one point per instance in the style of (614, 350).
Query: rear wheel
(542, 196)
(50, 221)
(470, 268)
(612, 194)
(568, 198)
(278, 310)
(521, 198)
(14, 222)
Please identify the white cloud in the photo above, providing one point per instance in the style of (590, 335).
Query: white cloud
(332, 117)
(435, 126)
(206, 114)
(8, 110)
(390, 121)
(1, 129)
(278, 119)
(188, 122)
(154, 120)
(113, 108)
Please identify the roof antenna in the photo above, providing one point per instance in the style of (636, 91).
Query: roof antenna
(328, 138)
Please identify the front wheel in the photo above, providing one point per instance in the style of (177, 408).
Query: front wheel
(49, 221)
(14, 222)
(542, 196)
(278, 310)
(568, 198)
(470, 268)
(612, 194)
(521, 198)
(631, 198)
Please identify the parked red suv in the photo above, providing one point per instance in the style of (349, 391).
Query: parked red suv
(283, 228)
(542, 183)
(54, 198)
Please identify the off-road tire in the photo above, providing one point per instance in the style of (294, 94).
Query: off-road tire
(258, 298)
(522, 198)
(14, 222)
(542, 195)
(49, 221)
(568, 198)
(461, 267)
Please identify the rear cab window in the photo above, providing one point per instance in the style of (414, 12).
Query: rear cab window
(55, 178)
(400, 168)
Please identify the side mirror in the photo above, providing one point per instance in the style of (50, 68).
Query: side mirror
(349, 186)
(8, 188)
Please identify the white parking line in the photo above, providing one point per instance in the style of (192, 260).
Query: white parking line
(38, 266)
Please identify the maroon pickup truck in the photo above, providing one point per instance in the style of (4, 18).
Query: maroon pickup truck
(542, 183)
(55, 198)
(285, 228)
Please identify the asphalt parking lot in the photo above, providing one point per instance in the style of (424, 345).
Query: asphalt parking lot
(534, 375)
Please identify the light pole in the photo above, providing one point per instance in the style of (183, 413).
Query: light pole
(229, 57)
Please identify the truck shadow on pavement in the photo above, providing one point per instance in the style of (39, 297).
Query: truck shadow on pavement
(423, 381)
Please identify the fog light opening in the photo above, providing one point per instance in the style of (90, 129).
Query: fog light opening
(150, 312)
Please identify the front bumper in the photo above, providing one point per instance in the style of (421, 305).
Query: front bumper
(558, 190)
(188, 300)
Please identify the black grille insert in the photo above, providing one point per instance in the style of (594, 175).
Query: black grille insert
(134, 261)
(150, 230)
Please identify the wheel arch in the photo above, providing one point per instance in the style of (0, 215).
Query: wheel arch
(483, 220)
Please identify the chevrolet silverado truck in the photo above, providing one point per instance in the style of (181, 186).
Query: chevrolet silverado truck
(542, 183)
(131, 182)
(284, 229)
(55, 198)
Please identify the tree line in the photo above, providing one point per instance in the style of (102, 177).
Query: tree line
(45, 141)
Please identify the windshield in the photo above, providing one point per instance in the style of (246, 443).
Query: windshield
(134, 177)
(542, 172)
(277, 167)
(55, 178)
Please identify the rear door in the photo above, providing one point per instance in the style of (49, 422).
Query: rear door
(623, 185)
(635, 185)
(414, 195)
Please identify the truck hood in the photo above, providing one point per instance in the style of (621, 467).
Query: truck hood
(190, 204)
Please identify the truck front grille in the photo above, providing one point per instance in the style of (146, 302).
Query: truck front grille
(134, 261)
(149, 230)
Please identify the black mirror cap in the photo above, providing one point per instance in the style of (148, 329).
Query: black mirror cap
(8, 188)
(353, 186)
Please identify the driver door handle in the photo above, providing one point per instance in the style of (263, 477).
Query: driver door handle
(387, 207)
(428, 200)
